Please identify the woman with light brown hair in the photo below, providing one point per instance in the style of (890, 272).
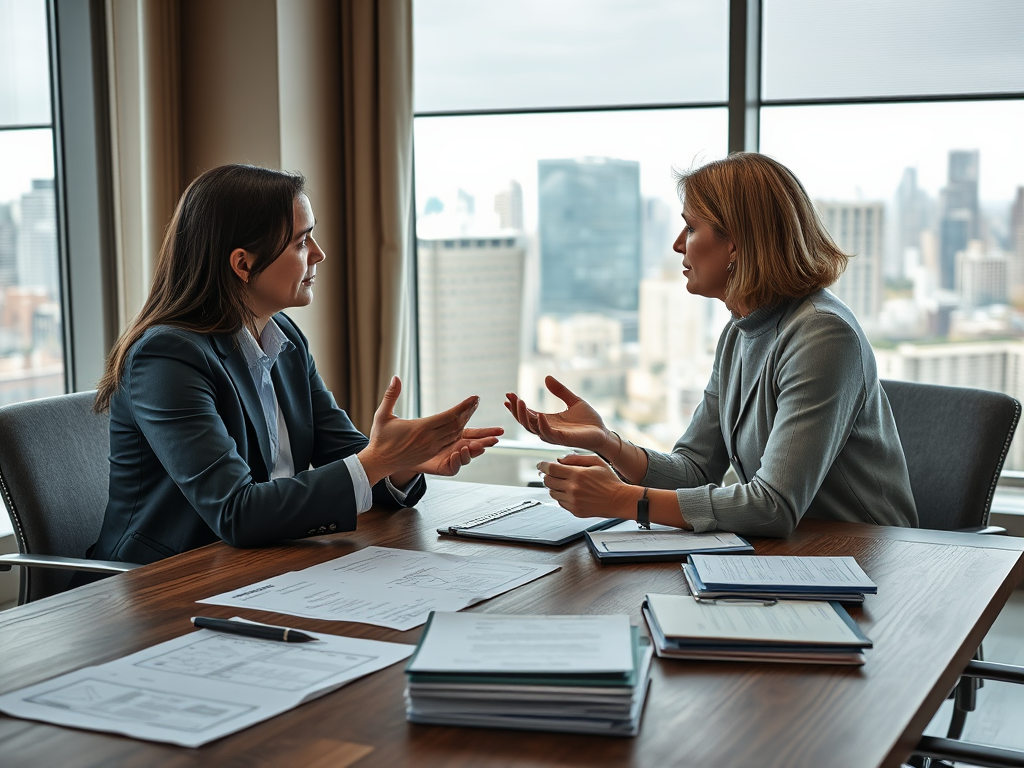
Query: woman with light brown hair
(793, 405)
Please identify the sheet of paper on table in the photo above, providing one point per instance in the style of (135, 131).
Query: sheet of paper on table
(201, 686)
(394, 588)
(484, 642)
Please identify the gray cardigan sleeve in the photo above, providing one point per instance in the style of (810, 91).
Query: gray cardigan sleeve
(812, 389)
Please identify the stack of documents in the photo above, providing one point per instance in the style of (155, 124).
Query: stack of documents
(575, 674)
(787, 630)
(626, 542)
(796, 578)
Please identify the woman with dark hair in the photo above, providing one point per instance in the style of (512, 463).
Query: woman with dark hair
(220, 425)
(793, 405)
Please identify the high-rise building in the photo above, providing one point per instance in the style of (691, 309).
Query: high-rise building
(470, 293)
(508, 204)
(590, 240)
(911, 218)
(959, 221)
(982, 276)
(1017, 248)
(37, 239)
(660, 226)
(8, 247)
(857, 228)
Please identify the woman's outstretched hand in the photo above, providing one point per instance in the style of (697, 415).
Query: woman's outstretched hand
(439, 444)
(578, 426)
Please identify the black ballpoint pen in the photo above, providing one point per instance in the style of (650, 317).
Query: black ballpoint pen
(262, 631)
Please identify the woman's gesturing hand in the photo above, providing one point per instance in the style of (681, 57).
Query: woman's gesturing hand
(438, 442)
(587, 487)
(578, 426)
(453, 458)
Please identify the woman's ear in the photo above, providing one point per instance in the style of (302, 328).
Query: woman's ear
(241, 262)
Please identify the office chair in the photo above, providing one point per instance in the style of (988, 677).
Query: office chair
(955, 440)
(53, 477)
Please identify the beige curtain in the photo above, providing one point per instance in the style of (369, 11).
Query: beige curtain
(376, 46)
(145, 125)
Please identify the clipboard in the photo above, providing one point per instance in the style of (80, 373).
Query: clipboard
(529, 522)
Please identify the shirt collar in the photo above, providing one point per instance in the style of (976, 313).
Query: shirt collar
(272, 343)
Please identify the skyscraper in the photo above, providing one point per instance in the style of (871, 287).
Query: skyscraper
(1016, 247)
(508, 204)
(8, 247)
(856, 228)
(37, 239)
(470, 293)
(959, 222)
(911, 215)
(590, 237)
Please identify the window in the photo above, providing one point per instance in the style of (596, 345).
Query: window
(31, 334)
(555, 129)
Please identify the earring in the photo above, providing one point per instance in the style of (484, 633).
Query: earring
(731, 268)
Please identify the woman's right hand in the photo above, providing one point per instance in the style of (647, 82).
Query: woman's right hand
(578, 426)
(397, 445)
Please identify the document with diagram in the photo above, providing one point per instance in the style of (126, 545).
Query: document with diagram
(394, 588)
(200, 686)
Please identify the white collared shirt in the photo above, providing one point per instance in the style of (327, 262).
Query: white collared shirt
(260, 358)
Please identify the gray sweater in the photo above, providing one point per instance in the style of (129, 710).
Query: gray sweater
(794, 405)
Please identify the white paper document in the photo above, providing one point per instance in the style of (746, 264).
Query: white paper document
(783, 571)
(787, 621)
(394, 588)
(201, 686)
(667, 540)
(481, 642)
(464, 501)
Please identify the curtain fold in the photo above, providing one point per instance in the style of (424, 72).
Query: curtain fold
(376, 45)
(144, 66)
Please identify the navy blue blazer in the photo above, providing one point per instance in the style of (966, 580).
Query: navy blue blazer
(190, 450)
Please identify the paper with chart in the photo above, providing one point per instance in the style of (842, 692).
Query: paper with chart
(394, 588)
(201, 686)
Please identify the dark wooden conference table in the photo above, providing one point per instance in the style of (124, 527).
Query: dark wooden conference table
(938, 595)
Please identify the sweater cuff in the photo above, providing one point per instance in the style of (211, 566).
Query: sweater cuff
(695, 507)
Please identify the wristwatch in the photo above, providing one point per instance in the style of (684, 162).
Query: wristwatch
(643, 512)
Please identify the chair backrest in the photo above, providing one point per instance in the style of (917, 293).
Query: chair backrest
(54, 476)
(955, 440)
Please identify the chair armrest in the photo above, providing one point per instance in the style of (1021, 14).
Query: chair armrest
(988, 530)
(957, 751)
(989, 670)
(65, 563)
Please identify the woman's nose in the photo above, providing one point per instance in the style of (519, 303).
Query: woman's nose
(679, 246)
(316, 253)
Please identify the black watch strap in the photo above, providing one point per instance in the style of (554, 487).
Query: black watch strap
(643, 512)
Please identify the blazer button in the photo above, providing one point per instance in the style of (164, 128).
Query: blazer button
(322, 530)
(333, 527)
(311, 532)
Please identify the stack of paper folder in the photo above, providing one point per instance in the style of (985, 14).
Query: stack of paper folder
(493, 671)
(801, 631)
(779, 577)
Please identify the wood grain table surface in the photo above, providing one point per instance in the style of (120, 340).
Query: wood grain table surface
(938, 594)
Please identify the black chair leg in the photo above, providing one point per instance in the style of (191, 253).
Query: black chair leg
(965, 699)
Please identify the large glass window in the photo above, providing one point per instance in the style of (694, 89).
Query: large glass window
(31, 354)
(544, 236)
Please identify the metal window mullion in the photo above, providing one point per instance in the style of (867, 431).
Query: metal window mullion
(744, 75)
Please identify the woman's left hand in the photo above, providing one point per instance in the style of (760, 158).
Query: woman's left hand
(471, 445)
(587, 487)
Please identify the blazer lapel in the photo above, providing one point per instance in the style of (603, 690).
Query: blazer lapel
(238, 371)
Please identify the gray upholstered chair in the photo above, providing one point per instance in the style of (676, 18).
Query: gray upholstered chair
(955, 440)
(53, 476)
